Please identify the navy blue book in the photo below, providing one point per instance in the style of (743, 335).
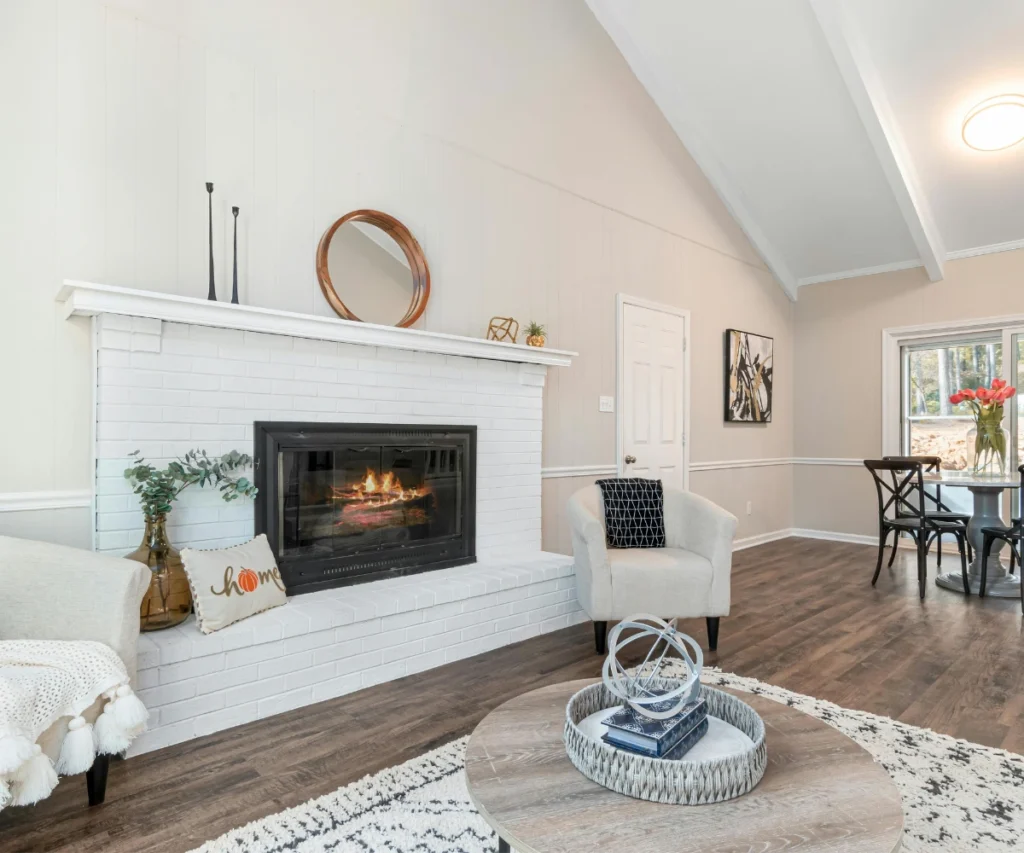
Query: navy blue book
(682, 741)
(631, 729)
(688, 742)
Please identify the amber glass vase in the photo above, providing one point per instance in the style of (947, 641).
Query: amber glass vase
(168, 601)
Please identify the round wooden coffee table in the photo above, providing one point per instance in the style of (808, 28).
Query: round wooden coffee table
(821, 791)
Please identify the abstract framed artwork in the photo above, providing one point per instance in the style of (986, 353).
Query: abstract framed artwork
(748, 377)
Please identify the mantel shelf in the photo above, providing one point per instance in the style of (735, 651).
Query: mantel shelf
(85, 299)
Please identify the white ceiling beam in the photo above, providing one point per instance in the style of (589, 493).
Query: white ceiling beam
(668, 100)
(872, 105)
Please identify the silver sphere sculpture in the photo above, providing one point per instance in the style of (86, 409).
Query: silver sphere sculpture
(637, 688)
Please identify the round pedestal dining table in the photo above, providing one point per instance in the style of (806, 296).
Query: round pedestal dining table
(987, 491)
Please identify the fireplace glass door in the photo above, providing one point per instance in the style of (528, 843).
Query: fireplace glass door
(354, 499)
(343, 503)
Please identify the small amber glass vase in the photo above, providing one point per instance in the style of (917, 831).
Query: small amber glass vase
(168, 601)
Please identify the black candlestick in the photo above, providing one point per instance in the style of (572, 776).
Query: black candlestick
(212, 295)
(234, 275)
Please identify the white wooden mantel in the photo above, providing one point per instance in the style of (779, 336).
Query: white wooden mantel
(86, 299)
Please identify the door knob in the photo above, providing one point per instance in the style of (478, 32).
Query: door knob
(630, 459)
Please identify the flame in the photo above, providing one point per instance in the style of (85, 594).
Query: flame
(378, 490)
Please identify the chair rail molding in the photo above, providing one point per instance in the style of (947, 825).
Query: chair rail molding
(610, 469)
(31, 501)
(565, 471)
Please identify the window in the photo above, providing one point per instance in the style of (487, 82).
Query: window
(932, 426)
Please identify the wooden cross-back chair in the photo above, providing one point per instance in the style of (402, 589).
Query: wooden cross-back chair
(933, 507)
(899, 484)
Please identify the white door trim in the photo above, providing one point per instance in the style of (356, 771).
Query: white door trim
(621, 300)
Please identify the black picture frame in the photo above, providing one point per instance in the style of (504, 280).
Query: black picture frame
(754, 373)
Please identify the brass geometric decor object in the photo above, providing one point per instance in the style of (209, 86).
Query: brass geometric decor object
(503, 329)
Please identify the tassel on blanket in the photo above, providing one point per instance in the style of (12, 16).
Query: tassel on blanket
(14, 751)
(77, 753)
(122, 719)
(34, 780)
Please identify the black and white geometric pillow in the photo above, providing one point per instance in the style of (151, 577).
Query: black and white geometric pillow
(634, 512)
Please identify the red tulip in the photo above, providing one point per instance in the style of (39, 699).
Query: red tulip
(956, 398)
(968, 393)
(1006, 393)
(997, 384)
(984, 395)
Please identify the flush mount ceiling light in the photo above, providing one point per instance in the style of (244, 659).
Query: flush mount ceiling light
(995, 123)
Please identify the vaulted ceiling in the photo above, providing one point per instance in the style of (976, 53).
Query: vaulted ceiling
(832, 128)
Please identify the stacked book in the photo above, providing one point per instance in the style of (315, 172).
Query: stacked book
(669, 739)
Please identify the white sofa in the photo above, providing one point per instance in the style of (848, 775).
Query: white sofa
(689, 577)
(53, 592)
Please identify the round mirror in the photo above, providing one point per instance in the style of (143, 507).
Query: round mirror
(372, 269)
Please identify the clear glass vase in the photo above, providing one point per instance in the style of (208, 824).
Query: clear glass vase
(987, 447)
(168, 601)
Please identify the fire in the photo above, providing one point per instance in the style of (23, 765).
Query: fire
(378, 490)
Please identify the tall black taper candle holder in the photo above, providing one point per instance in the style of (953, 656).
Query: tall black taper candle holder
(212, 295)
(234, 272)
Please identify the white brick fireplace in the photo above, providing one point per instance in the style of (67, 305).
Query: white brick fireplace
(174, 373)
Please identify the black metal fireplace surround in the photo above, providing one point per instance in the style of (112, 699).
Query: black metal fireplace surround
(349, 503)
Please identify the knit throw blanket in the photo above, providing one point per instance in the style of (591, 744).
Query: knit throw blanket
(46, 681)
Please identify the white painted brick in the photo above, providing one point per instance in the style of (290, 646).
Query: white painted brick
(190, 668)
(165, 694)
(285, 664)
(337, 687)
(358, 663)
(285, 702)
(191, 708)
(357, 629)
(228, 678)
(405, 650)
(254, 653)
(383, 640)
(312, 675)
(254, 690)
(380, 674)
(425, 661)
(337, 651)
(402, 620)
(227, 718)
(425, 629)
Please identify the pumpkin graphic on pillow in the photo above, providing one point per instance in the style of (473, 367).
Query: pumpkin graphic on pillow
(248, 580)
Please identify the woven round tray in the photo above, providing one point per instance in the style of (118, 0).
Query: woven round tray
(655, 779)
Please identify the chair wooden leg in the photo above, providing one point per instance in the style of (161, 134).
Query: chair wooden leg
(986, 550)
(601, 637)
(713, 633)
(96, 779)
(938, 553)
(881, 551)
(922, 562)
(895, 548)
(962, 547)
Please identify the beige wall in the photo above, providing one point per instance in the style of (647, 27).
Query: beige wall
(508, 135)
(838, 371)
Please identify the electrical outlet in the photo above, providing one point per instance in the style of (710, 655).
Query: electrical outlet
(750, 507)
(606, 404)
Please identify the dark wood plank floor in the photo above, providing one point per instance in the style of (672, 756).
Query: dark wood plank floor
(804, 617)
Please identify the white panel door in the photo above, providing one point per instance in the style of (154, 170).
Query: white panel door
(653, 344)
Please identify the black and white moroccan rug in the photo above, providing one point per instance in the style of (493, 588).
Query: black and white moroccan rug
(957, 796)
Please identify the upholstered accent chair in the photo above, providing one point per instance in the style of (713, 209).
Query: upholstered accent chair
(53, 592)
(689, 577)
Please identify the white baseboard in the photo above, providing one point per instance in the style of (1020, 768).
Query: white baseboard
(833, 536)
(803, 533)
(760, 539)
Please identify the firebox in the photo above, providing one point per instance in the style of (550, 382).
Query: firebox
(349, 503)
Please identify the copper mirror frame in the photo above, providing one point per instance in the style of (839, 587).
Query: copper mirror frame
(413, 253)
